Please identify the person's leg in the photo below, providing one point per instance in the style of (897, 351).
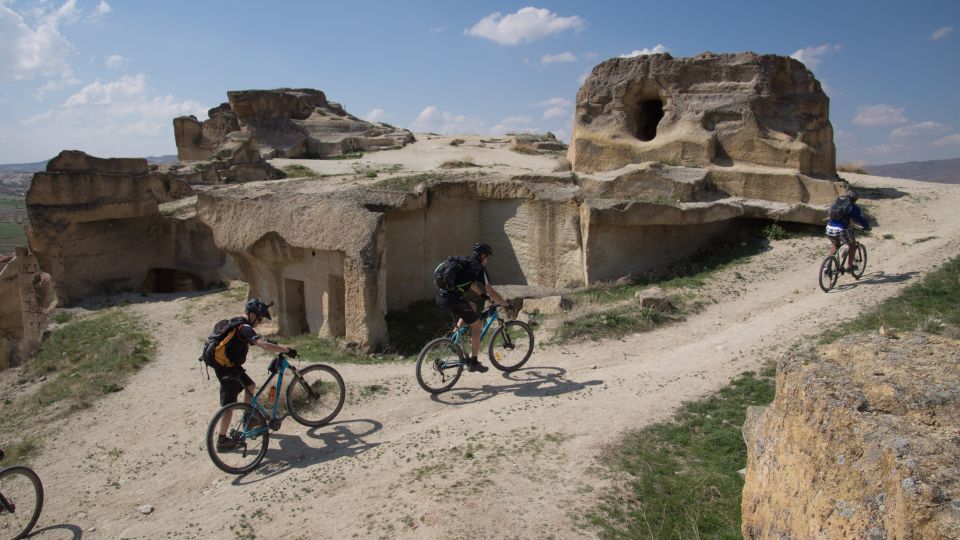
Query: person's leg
(851, 253)
(836, 245)
(475, 342)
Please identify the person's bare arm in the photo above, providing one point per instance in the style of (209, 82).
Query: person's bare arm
(492, 293)
(271, 347)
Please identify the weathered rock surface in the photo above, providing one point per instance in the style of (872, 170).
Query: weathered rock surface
(96, 226)
(721, 111)
(861, 441)
(550, 305)
(653, 298)
(533, 142)
(287, 123)
(28, 296)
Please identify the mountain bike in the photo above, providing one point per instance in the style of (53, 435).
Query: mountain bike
(314, 397)
(21, 500)
(833, 265)
(441, 361)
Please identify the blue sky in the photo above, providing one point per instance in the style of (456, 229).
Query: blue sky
(108, 76)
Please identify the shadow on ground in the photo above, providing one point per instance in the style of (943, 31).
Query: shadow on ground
(286, 452)
(527, 382)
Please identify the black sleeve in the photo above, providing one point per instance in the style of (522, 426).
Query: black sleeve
(248, 334)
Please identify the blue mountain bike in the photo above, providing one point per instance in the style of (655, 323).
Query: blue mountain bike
(441, 361)
(238, 434)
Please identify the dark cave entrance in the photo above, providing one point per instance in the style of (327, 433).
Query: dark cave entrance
(648, 118)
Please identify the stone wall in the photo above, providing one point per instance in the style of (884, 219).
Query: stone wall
(27, 294)
(96, 226)
(861, 441)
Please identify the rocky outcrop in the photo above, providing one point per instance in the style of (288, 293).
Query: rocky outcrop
(531, 142)
(764, 113)
(287, 123)
(861, 441)
(28, 296)
(96, 226)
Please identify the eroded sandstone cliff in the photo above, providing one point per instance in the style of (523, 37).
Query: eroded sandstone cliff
(861, 441)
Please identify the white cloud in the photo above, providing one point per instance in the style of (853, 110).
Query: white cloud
(115, 61)
(26, 51)
(102, 9)
(513, 124)
(436, 29)
(948, 140)
(562, 57)
(433, 120)
(554, 102)
(810, 56)
(646, 52)
(117, 118)
(527, 24)
(375, 115)
(917, 131)
(555, 112)
(55, 85)
(941, 33)
(879, 115)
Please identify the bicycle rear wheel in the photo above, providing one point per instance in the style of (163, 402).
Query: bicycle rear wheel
(316, 395)
(829, 273)
(245, 440)
(511, 346)
(439, 366)
(21, 499)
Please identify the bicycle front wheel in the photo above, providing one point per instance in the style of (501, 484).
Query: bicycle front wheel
(439, 366)
(829, 272)
(511, 346)
(316, 395)
(240, 446)
(859, 261)
(21, 499)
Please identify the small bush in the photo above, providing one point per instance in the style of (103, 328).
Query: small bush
(370, 174)
(774, 231)
(458, 164)
(299, 171)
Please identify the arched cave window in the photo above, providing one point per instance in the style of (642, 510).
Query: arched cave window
(648, 117)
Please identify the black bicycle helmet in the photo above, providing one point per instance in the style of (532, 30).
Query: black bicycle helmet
(852, 195)
(482, 249)
(257, 307)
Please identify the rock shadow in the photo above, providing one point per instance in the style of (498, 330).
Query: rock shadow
(286, 452)
(527, 382)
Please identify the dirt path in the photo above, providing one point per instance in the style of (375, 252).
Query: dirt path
(500, 456)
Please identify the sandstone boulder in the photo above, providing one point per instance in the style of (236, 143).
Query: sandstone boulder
(537, 143)
(550, 305)
(654, 298)
(861, 441)
(718, 110)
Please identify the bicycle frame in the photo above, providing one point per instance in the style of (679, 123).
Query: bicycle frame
(492, 315)
(282, 366)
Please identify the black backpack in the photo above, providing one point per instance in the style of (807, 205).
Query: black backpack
(453, 274)
(220, 331)
(841, 208)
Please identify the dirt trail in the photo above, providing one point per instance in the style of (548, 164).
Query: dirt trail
(500, 456)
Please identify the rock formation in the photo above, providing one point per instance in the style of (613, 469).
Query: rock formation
(288, 123)
(96, 226)
(861, 441)
(27, 294)
(765, 115)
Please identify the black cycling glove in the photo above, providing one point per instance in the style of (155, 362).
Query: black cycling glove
(292, 352)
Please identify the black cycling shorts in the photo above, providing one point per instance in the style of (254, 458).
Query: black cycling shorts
(232, 382)
(458, 306)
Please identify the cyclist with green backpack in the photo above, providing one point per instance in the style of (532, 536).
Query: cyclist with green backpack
(839, 232)
(462, 286)
(226, 351)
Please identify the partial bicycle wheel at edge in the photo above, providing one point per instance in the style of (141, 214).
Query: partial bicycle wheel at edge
(439, 366)
(241, 453)
(511, 346)
(21, 487)
(316, 396)
(829, 272)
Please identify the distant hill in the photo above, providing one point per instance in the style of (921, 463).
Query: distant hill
(942, 170)
(15, 177)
